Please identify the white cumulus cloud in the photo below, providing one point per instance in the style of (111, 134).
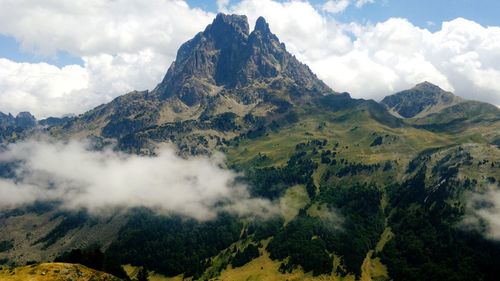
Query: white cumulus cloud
(40, 88)
(336, 6)
(125, 45)
(47, 90)
(361, 3)
(86, 28)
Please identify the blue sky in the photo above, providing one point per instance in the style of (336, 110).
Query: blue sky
(11, 49)
(423, 13)
(419, 12)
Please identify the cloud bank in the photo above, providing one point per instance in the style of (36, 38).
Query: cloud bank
(129, 44)
(125, 45)
(485, 208)
(101, 181)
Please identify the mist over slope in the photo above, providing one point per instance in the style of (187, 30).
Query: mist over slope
(99, 181)
(241, 159)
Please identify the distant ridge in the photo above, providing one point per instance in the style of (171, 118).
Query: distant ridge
(423, 99)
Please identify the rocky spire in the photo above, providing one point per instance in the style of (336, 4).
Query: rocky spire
(226, 55)
(229, 23)
(262, 26)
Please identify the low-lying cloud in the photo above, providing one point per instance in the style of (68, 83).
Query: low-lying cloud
(485, 213)
(100, 181)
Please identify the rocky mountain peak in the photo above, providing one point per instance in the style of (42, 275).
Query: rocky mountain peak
(226, 56)
(232, 23)
(22, 120)
(262, 38)
(222, 75)
(262, 26)
(423, 99)
(25, 120)
(429, 88)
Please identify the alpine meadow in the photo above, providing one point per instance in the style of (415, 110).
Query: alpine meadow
(241, 163)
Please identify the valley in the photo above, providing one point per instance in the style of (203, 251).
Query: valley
(403, 189)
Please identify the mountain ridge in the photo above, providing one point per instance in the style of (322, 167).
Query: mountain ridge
(357, 187)
(423, 99)
(224, 72)
(429, 107)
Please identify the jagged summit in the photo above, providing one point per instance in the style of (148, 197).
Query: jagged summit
(225, 81)
(426, 85)
(428, 88)
(223, 22)
(22, 120)
(226, 56)
(262, 26)
(347, 186)
(423, 99)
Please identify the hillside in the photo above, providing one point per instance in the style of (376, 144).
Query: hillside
(419, 101)
(54, 272)
(429, 107)
(396, 190)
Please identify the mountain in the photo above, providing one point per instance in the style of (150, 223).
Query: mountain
(55, 121)
(427, 102)
(13, 128)
(24, 124)
(23, 120)
(366, 190)
(224, 74)
(226, 56)
(423, 99)
(430, 107)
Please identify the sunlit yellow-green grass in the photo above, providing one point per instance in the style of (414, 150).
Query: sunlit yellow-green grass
(265, 269)
(372, 268)
(132, 272)
(262, 268)
(53, 272)
(353, 135)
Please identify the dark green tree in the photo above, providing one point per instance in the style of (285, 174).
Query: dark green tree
(143, 274)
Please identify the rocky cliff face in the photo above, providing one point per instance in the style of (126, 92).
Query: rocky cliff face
(12, 128)
(390, 183)
(229, 81)
(227, 56)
